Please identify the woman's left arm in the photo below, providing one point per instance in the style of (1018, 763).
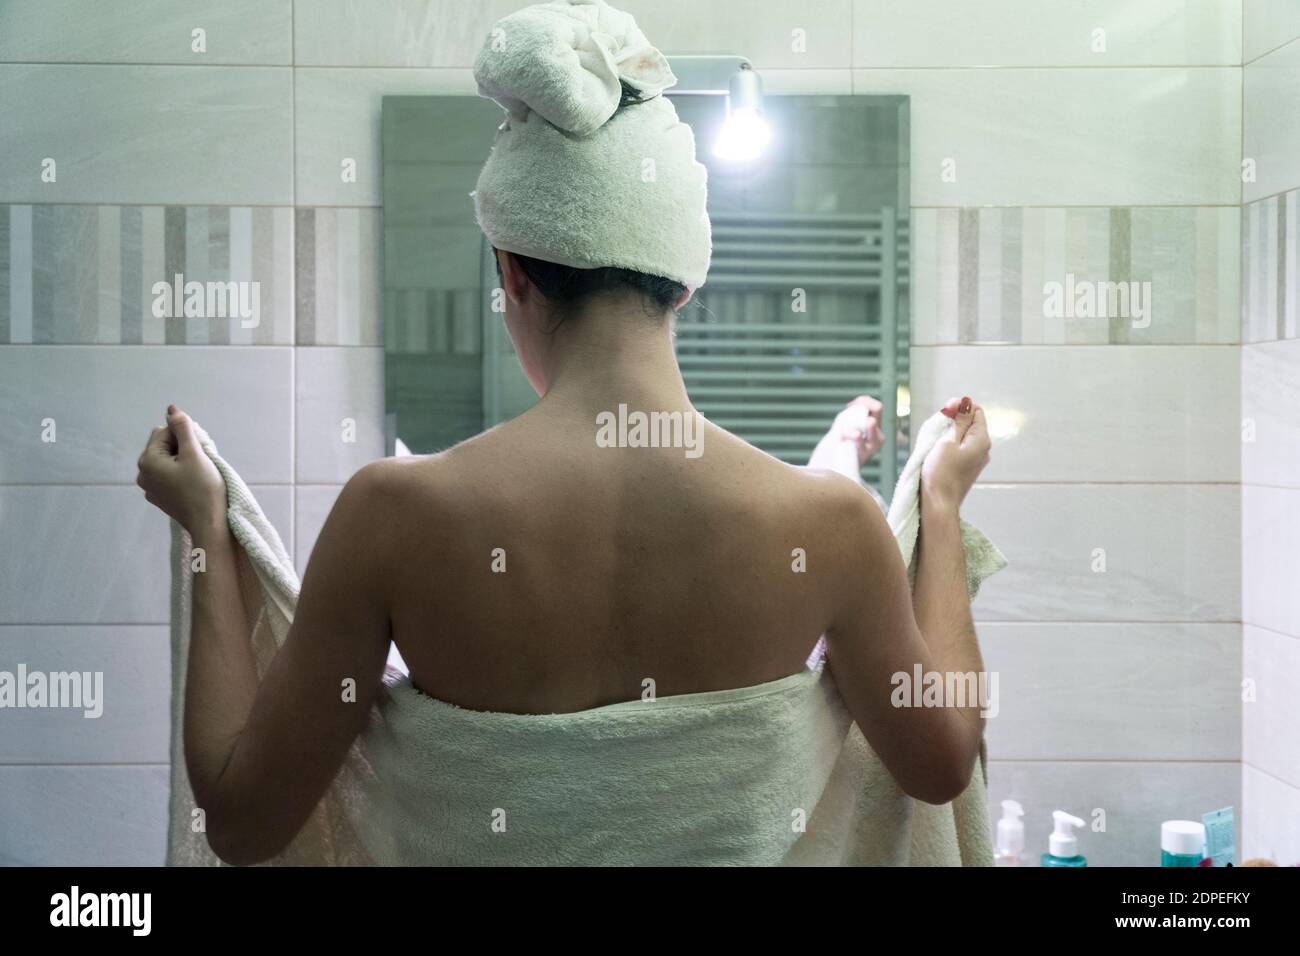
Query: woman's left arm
(261, 754)
(852, 440)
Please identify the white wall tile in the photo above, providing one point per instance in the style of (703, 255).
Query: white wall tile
(104, 400)
(1271, 456)
(1271, 722)
(1271, 128)
(93, 554)
(312, 504)
(1270, 544)
(1053, 137)
(147, 134)
(1270, 821)
(83, 816)
(787, 34)
(1270, 397)
(1094, 413)
(146, 31)
(391, 33)
(337, 117)
(334, 385)
(135, 702)
(1136, 798)
(1268, 24)
(1115, 691)
(1171, 552)
(807, 82)
(939, 33)
(445, 33)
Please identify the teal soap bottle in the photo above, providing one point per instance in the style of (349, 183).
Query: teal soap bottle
(1182, 843)
(1063, 845)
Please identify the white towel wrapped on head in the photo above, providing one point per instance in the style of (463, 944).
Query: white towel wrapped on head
(567, 63)
(574, 177)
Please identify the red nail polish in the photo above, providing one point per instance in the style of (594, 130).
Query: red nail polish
(964, 407)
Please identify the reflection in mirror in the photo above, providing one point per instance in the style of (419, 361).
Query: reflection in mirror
(805, 306)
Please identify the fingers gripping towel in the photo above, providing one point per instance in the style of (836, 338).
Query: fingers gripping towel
(982, 557)
(576, 175)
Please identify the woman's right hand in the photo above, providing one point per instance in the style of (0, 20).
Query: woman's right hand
(957, 460)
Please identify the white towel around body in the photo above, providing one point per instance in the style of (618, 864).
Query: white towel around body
(772, 774)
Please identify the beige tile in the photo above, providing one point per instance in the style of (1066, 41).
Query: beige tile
(83, 816)
(1110, 552)
(147, 31)
(312, 505)
(340, 412)
(1117, 137)
(1271, 126)
(1269, 824)
(1268, 24)
(1270, 396)
(104, 553)
(1095, 413)
(443, 33)
(147, 134)
(938, 33)
(394, 33)
(132, 695)
(337, 118)
(103, 400)
(1114, 691)
(1270, 542)
(1271, 712)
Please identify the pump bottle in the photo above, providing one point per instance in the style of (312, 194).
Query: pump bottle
(1011, 835)
(1063, 845)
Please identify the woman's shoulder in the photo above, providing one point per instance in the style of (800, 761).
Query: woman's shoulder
(390, 486)
(386, 476)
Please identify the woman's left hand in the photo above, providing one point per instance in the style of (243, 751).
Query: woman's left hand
(179, 478)
(859, 423)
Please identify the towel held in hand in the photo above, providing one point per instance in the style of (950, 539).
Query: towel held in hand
(772, 774)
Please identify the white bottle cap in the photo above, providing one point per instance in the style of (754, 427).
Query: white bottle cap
(1063, 842)
(1183, 837)
(1011, 831)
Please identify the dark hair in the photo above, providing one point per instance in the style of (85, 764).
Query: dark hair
(565, 287)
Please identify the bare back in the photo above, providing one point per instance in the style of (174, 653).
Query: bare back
(615, 565)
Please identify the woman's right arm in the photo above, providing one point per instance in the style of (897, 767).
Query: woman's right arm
(883, 632)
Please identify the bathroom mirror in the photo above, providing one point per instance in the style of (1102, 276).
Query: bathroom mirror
(805, 307)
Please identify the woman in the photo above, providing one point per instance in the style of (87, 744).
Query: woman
(533, 569)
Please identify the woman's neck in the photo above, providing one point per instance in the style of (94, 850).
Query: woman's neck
(613, 354)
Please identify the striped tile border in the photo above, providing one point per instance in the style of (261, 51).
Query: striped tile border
(1270, 287)
(84, 275)
(979, 275)
(338, 258)
(434, 321)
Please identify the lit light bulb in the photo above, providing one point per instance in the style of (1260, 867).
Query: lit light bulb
(745, 132)
(744, 135)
